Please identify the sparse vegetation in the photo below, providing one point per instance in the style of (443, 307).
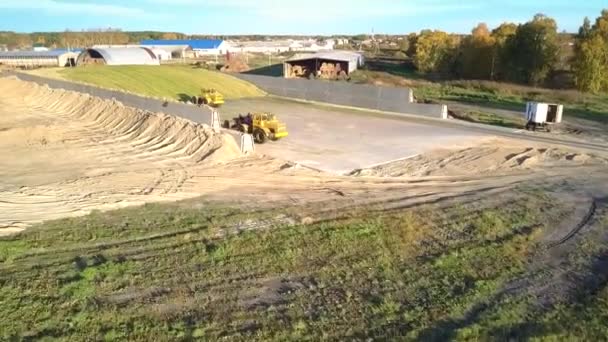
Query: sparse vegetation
(169, 272)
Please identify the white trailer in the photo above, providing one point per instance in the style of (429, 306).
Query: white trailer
(542, 115)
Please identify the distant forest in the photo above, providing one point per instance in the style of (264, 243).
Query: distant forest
(87, 38)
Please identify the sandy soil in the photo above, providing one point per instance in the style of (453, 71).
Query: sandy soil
(65, 154)
(494, 155)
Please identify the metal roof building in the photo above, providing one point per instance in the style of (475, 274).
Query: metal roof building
(31, 59)
(118, 56)
(331, 64)
(201, 46)
(197, 44)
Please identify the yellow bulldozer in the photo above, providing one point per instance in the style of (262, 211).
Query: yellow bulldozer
(210, 97)
(263, 126)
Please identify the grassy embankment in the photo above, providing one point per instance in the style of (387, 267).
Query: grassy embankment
(165, 272)
(177, 82)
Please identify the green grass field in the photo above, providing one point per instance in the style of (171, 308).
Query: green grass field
(164, 272)
(167, 81)
(490, 95)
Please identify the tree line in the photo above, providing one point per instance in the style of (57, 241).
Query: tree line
(528, 53)
(80, 39)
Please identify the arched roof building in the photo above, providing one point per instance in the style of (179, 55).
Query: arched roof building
(118, 56)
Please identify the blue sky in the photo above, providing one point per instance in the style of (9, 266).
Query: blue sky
(286, 17)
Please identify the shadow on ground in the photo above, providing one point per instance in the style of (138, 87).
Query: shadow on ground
(275, 70)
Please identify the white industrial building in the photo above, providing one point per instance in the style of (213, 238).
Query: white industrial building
(199, 47)
(162, 52)
(34, 59)
(118, 56)
(280, 46)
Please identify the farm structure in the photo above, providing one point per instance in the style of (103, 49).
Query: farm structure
(36, 59)
(325, 65)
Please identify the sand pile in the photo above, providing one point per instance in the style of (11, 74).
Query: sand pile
(494, 156)
(66, 153)
(154, 133)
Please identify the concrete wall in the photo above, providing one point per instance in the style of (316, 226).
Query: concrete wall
(387, 99)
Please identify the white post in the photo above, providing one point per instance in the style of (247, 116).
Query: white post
(247, 144)
(215, 121)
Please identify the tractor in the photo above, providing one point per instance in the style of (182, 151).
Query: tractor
(263, 126)
(210, 97)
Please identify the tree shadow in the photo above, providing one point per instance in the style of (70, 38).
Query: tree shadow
(396, 67)
(186, 98)
(275, 70)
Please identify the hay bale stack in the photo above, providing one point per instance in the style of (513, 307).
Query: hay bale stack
(330, 70)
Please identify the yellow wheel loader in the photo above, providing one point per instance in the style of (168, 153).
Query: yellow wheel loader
(263, 126)
(210, 97)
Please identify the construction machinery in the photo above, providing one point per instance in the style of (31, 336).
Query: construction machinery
(263, 126)
(210, 97)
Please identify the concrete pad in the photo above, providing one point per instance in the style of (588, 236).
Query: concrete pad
(341, 140)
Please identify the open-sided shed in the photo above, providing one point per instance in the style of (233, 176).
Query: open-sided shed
(328, 65)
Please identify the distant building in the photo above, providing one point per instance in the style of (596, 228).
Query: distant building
(162, 52)
(40, 48)
(267, 47)
(314, 46)
(118, 56)
(328, 65)
(280, 46)
(35, 59)
(162, 55)
(341, 41)
(200, 47)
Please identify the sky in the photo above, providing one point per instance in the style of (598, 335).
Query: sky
(306, 17)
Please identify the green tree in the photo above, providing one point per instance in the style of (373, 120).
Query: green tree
(501, 35)
(435, 51)
(412, 40)
(404, 44)
(477, 53)
(590, 63)
(533, 50)
(585, 30)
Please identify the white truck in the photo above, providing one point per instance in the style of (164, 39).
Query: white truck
(543, 115)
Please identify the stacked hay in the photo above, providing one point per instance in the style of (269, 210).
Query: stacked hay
(330, 71)
(299, 71)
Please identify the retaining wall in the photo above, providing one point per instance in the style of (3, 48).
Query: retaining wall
(389, 99)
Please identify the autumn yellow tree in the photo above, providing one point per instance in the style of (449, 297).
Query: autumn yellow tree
(434, 51)
(169, 36)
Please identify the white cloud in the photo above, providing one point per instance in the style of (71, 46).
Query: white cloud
(57, 7)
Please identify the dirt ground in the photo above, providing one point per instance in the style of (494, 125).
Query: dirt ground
(340, 140)
(66, 154)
